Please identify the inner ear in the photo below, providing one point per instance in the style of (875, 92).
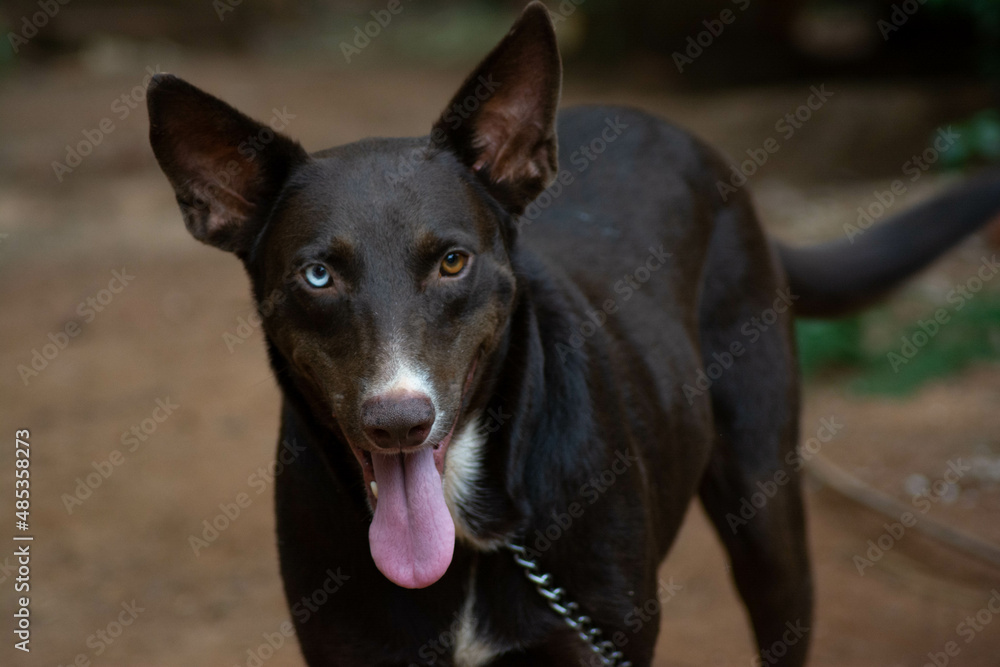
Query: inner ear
(502, 121)
(226, 169)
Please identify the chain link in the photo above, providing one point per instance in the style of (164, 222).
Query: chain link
(567, 609)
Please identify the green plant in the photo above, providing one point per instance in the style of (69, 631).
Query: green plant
(970, 335)
(978, 141)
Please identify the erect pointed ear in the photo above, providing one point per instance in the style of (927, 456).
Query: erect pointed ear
(502, 121)
(226, 168)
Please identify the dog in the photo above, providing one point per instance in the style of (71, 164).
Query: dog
(490, 364)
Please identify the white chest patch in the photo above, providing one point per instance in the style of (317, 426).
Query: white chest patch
(471, 651)
(462, 475)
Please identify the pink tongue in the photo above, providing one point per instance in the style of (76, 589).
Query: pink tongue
(412, 537)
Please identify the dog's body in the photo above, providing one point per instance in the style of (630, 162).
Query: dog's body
(576, 406)
(564, 355)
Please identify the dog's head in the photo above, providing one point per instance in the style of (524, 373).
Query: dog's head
(382, 267)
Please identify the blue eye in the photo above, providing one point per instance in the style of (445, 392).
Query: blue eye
(317, 275)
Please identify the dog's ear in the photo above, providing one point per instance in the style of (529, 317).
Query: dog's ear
(226, 168)
(501, 123)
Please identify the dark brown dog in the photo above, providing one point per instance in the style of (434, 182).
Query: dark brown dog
(470, 360)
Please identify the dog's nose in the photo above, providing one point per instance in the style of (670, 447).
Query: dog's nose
(398, 420)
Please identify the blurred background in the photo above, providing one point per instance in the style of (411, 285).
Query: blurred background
(130, 353)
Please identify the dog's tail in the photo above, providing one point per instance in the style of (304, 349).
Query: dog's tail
(840, 277)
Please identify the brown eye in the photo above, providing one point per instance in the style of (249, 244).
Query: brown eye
(453, 263)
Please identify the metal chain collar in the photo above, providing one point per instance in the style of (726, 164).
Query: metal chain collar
(568, 610)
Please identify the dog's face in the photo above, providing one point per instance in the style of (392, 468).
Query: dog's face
(382, 267)
(391, 289)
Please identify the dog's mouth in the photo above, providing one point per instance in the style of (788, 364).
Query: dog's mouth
(366, 459)
(412, 535)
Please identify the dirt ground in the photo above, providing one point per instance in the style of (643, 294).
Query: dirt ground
(162, 339)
